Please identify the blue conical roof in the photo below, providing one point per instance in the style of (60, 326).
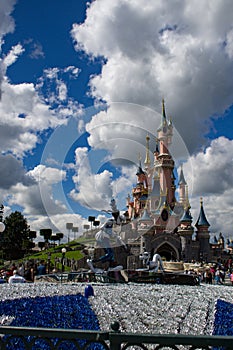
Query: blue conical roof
(202, 221)
(186, 216)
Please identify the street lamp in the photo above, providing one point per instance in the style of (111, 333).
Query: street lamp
(63, 257)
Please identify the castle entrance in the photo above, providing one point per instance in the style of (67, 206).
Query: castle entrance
(167, 252)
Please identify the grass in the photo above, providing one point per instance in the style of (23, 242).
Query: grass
(74, 251)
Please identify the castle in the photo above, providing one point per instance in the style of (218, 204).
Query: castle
(158, 222)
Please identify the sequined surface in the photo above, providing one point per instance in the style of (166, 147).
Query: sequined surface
(138, 308)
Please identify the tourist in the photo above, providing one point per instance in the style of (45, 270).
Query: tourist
(16, 278)
(217, 277)
(29, 273)
(21, 269)
(41, 269)
(231, 278)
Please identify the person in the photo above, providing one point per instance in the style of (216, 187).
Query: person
(217, 278)
(16, 278)
(231, 278)
(41, 269)
(21, 269)
(29, 272)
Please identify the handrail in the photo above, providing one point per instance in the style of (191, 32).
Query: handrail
(113, 340)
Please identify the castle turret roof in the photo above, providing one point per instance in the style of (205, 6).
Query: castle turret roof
(187, 217)
(140, 171)
(202, 221)
(182, 179)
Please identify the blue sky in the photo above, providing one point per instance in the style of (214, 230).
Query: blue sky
(81, 87)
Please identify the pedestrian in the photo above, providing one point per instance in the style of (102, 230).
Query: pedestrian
(21, 269)
(217, 277)
(231, 278)
(41, 269)
(16, 278)
(29, 272)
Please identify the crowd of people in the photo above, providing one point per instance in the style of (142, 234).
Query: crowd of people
(22, 273)
(215, 273)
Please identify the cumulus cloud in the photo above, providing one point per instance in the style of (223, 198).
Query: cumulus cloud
(12, 172)
(208, 174)
(92, 190)
(162, 49)
(7, 25)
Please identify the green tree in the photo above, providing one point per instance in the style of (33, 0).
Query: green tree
(15, 236)
(46, 233)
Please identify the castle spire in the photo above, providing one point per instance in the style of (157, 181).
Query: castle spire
(147, 160)
(163, 118)
(163, 110)
(182, 179)
(202, 221)
(140, 171)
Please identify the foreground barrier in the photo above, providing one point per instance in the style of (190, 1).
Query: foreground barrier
(61, 339)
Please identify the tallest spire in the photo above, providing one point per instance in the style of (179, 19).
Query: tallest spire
(163, 118)
(147, 160)
(163, 109)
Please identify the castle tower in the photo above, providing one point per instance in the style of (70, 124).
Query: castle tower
(203, 235)
(140, 192)
(147, 164)
(186, 231)
(163, 161)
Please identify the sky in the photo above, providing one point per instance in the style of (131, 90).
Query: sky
(81, 85)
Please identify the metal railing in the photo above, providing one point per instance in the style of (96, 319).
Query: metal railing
(62, 339)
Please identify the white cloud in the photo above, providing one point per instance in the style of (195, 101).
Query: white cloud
(162, 49)
(209, 174)
(7, 24)
(13, 55)
(92, 190)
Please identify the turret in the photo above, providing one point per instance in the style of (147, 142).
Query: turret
(182, 188)
(186, 231)
(203, 235)
(147, 160)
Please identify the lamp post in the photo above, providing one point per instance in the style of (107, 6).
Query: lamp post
(62, 259)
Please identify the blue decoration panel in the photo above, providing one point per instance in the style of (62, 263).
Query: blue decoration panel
(67, 312)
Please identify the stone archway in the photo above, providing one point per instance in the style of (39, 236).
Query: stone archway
(168, 252)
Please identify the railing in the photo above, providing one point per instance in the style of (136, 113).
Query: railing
(62, 339)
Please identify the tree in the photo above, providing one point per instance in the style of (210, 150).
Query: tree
(46, 233)
(15, 236)
(59, 235)
(41, 245)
